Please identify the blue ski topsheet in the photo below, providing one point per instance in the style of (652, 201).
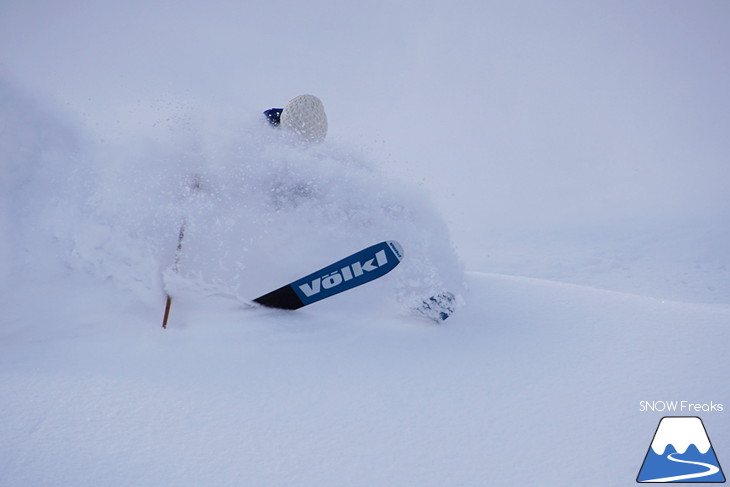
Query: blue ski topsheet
(355, 270)
(352, 271)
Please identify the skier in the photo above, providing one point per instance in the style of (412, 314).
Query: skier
(305, 118)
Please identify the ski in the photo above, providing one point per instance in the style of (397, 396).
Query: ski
(352, 271)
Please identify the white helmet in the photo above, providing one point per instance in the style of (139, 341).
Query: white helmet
(304, 115)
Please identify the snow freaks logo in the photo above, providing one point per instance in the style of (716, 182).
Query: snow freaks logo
(680, 452)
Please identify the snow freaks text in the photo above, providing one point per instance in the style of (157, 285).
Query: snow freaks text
(680, 407)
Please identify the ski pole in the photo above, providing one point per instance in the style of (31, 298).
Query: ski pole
(175, 264)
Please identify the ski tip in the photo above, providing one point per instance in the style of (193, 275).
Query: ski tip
(396, 248)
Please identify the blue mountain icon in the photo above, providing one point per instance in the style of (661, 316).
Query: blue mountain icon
(681, 452)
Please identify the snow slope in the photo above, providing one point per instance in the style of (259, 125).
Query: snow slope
(532, 378)
(585, 192)
(539, 382)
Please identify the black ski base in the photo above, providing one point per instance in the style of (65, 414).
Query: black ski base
(282, 298)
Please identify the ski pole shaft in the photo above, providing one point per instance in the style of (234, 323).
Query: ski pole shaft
(167, 311)
(175, 264)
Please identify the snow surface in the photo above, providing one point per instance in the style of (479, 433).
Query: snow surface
(562, 166)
